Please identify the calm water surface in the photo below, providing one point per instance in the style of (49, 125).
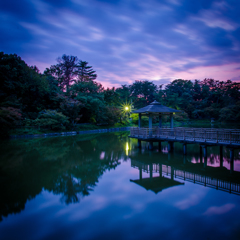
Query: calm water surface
(103, 187)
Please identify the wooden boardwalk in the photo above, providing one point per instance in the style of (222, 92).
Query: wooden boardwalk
(208, 136)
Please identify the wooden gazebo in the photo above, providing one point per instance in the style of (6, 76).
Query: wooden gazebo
(203, 136)
(155, 108)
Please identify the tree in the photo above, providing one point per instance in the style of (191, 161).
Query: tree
(9, 118)
(124, 93)
(21, 86)
(71, 108)
(65, 71)
(111, 97)
(90, 94)
(143, 93)
(85, 73)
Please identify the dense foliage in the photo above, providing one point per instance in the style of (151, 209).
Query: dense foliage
(67, 94)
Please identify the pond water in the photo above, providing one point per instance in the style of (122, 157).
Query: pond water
(103, 187)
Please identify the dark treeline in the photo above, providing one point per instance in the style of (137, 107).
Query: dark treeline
(67, 93)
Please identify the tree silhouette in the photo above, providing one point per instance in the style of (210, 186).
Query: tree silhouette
(85, 73)
(65, 71)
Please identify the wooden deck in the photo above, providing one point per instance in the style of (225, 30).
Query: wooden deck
(211, 136)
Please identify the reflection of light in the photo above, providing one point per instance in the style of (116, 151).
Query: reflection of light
(126, 108)
(127, 148)
(102, 155)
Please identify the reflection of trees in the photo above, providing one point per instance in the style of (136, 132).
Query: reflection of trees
(70, 166)
(70, 187)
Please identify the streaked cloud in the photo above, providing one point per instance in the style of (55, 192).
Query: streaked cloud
(219, 210)
(128, 40)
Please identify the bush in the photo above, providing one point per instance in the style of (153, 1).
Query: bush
(144, 120)
(9, 118)
(51, 119)
(181, 116)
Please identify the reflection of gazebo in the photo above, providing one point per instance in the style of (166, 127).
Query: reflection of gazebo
(155, 108)
(156, 184)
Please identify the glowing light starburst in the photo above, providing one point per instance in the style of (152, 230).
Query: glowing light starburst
(126, 108)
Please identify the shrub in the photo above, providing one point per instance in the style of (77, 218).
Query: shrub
(9, 118)
(51, 119)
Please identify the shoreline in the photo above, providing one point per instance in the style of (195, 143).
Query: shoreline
(69, 133)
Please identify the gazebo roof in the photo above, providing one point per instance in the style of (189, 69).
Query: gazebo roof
(156, 184)
(155, 107)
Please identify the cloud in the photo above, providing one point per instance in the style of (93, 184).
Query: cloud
(127, 40)
(219, 210)
(194, 198)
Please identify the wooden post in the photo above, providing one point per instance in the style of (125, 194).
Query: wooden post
(184, 148)
(139, 119)
(231, 167)
(217, 136)
(204, 147)
(139, 143)
(200, 153)
(160, 170)
(151, 171)
(200, 150)
(150, 145)
(231, 160)
(150, 124)
(204, 150)
(140, 173)
(171, 120)
(172, 173)
(205, 136)
(221, 156)
(231, 154)
(160, 120)
(170, 146)
(205, 162)
(184, 134)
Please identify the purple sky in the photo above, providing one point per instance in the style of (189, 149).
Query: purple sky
(128, 40)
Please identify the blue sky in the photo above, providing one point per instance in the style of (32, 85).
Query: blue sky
(128, 40)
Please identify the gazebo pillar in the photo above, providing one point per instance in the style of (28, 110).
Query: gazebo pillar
(150, 124)
(139, 119)
(150, 120)
(160, 120)
(171, 120)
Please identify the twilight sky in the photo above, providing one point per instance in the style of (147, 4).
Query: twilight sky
(128, 40)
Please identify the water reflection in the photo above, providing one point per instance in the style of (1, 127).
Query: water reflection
(78, 188)
(69, 166)
(171, 167)
(215, 157)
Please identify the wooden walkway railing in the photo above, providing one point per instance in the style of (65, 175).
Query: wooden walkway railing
(211, 135)
(204, 180)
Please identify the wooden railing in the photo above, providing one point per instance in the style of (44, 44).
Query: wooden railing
(212, 135)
